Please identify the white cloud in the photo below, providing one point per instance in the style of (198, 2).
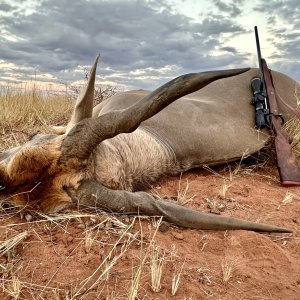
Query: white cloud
(144, 43)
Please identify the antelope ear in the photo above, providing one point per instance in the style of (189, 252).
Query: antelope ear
(33, 161)
(84, 104)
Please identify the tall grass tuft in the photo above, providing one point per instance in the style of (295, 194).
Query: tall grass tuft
(23, 113)
(293, 128)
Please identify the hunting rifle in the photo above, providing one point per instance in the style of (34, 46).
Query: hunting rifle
(267, 115)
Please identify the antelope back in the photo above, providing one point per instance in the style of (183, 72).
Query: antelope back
(213, 125)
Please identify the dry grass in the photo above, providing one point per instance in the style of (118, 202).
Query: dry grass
(176, 279)
(92, 232)
(293, 128)
(224, 189)
(133, 290)
(287, 199)
(24, 113)
(157, 259)
(229, 265)
(10, 244)
(107, 263)
(182, 192)
(13, 288)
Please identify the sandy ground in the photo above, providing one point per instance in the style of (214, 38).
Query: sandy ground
(93, 255)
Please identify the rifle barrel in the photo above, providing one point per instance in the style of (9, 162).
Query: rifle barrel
(261, 72)
(258, 52)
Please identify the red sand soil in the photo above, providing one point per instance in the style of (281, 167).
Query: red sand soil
(61, 259)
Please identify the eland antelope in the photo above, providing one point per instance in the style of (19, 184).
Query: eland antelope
(107, 154)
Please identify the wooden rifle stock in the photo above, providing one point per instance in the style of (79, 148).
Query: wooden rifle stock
(288, 168)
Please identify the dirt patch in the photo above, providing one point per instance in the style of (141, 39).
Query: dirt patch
(93, 255)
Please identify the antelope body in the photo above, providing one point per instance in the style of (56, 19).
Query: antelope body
(131, 139)
(211, 126)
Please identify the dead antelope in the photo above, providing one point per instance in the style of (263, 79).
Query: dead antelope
(132, 139)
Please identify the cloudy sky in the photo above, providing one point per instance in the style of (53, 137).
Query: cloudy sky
(143, 43)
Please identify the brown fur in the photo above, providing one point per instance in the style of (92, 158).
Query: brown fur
(32, 161)
(47, 195)
(35, 179)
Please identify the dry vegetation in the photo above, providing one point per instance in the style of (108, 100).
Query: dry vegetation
(95, 255)
(26, 113)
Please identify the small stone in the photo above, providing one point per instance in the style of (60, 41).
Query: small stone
(48, 239)
(126, 220)
(178, 235)
(81, 226)
(28, 217)
(164, 227)
(222, 207)
(124, 258)
(101, 226)
(109, 224)
(101, 252)
(70, 239)
(54, 238)
(93, 220)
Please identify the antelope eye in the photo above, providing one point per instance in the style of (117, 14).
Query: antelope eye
(2, 186)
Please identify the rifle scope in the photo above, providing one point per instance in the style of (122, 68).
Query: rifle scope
(258, 100)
